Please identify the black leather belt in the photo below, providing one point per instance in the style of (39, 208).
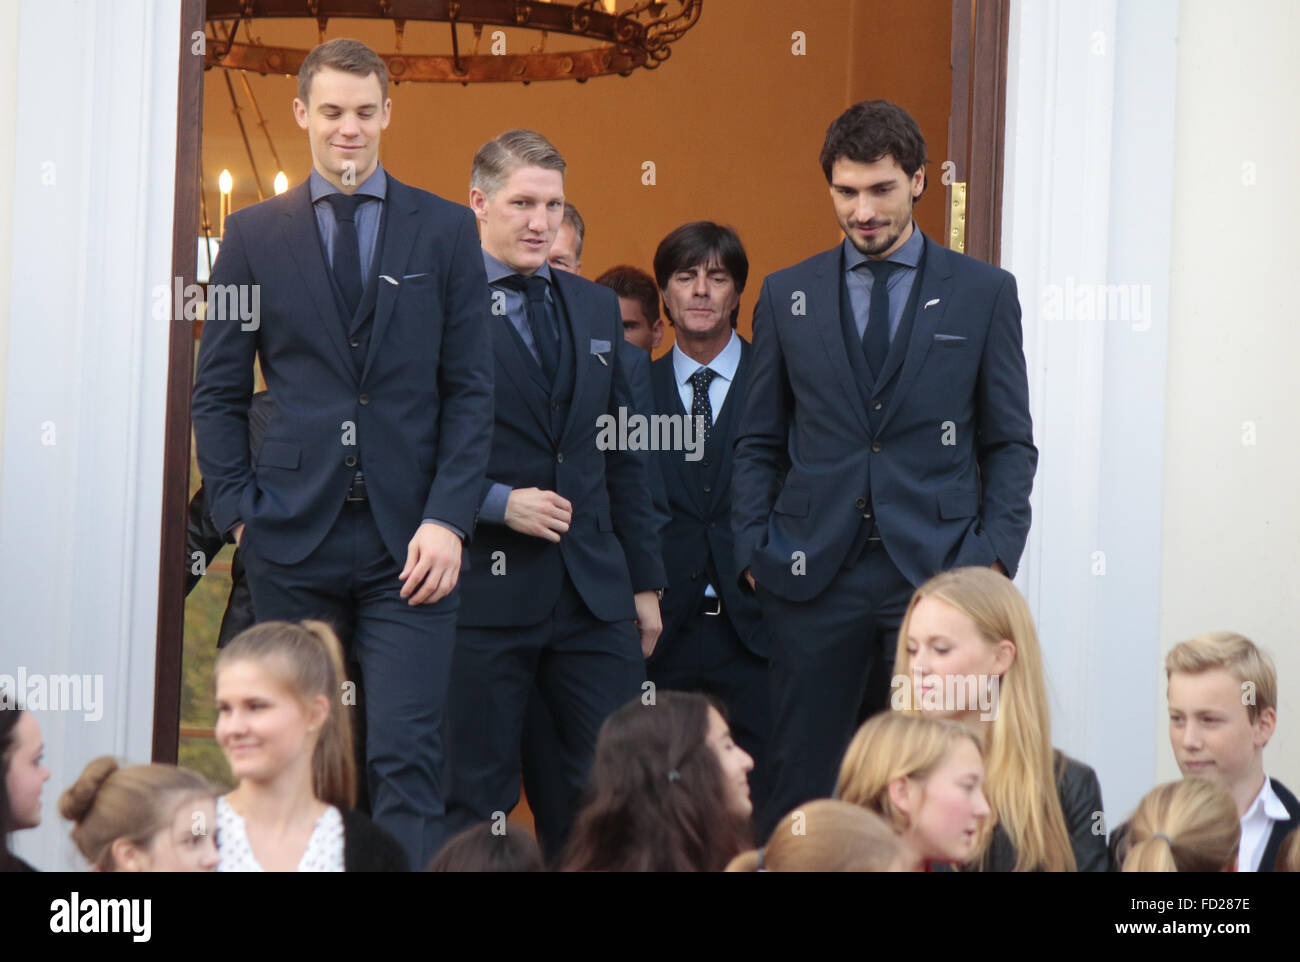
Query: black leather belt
(709, 606)
(357, 489)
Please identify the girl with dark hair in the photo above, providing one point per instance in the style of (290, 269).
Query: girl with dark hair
(668, 791)
(21, 776)
(485, 847)
(290, 745)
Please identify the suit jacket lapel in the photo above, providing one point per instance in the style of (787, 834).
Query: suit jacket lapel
(302, 238)
(824, 314)
(401, 227)
(936, 286)
(513, 355)
(577, 307)
(734, 408)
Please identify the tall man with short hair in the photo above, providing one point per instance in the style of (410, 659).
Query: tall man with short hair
(565, 566)
(372, 339)
(886, 437)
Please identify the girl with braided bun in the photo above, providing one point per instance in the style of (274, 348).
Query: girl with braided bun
(142, 818)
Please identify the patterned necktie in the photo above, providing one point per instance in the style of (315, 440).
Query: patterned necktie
(546, 337)
(875, 339)
(700, 406)
(347, 252)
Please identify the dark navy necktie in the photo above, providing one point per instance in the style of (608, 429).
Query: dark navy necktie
(546, 337)
(700, 406)
(875, 339)
(347, 251)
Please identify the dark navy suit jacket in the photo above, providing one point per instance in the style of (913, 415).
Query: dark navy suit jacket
(612, 546)
(698, 544)
(948, 470)
(419, 413)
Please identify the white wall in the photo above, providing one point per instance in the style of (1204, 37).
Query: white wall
(84, 384)
(1231, 552)
(1129, 128)
(1087, 207)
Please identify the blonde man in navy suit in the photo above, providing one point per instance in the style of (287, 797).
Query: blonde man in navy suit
(886, 437)
(565, 571)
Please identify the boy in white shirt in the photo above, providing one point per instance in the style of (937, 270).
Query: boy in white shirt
(1222, 712)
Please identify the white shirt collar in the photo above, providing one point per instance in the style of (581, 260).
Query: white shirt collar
(724, 365)
(1257, 825)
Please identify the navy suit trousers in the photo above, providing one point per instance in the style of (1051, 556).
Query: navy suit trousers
(405, 656)
(831, 661)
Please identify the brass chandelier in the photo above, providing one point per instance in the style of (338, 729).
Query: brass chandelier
(640, 34)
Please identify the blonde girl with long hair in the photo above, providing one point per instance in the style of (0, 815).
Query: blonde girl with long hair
(924, 777)
(968, 651)
(281, 726)
(1185, 826)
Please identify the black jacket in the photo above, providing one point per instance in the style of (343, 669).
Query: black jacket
(1080, 795)
(204, 541)
(699, 548)
(368, 848)
(1118, 846)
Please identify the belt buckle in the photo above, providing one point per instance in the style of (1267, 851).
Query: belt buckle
(717, 608)
(356, 489)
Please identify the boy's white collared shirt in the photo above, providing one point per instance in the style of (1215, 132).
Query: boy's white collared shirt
(1257, 825)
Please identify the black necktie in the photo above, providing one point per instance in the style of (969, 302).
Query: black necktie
(700, 406)
(875, 339)
(347, 252)
(546, 337)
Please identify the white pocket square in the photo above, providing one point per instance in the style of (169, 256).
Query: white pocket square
(599, 346)
(411, 277)
(950, 337)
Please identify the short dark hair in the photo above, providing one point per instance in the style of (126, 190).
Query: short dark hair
(634, 284)
(481, 848)
(574, 220)
(702, 242)
(873, 129)
(342, 53)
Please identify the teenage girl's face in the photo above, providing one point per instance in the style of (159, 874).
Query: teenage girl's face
(948, 655)
(261, 726)
(26, 774)
(187, 844)
(736, 764)
(951, 807)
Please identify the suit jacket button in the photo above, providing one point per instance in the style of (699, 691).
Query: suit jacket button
(353, 342)
(876, 406)
(875, 447)
(860, 503)
(705, 462)
(364, 399)
(559, 458)
(350, 461)
(708, 488)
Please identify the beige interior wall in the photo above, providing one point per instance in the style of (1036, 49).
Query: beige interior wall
(1232, 462)
(733, 121)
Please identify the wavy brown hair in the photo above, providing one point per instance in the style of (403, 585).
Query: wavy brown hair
(656, 799)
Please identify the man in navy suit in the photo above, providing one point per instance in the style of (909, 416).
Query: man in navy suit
(886, 437)
(565, 565)
(713, 640)
(372, 337)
